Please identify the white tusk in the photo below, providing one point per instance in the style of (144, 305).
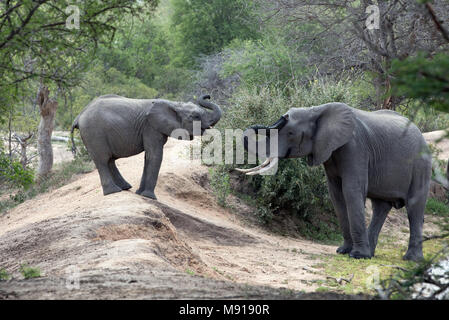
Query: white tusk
(273, 162)
(266, 162)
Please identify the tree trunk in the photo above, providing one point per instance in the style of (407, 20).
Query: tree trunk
(47, 108)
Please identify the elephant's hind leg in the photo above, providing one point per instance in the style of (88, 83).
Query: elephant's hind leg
(416, 205)
(415, 214)
(380, 212)
(117, 177)
(107, 181)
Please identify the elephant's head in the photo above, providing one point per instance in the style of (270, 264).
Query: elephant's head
(305, 132)
(167, 116)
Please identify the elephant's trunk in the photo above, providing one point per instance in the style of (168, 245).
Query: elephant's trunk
(271, 161)
(277, 125)
(212, 117)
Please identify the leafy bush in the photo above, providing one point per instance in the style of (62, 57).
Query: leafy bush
(295, 188)
(4, 275)
(29, 272)
(267, 61)
(202, 27)
(220, 182)
(12, 172)
(436, 207)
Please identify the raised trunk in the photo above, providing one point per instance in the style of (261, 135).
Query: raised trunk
(47, 108)
(212, 117)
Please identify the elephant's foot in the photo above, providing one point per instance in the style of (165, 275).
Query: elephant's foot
(359, 254)
(344, 249)
(148, 194)
(111, 188)
(125, 186)
(413, 255)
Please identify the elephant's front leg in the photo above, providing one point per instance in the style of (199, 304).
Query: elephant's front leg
(355, 202)
(153, 159)
(338, 200)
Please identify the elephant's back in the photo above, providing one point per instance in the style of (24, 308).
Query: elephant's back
(393, 131)
(115, 121)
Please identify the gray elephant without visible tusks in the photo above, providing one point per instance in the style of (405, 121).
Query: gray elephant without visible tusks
(378, 155)
(114, 127)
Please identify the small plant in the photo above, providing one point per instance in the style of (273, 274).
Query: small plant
(29, 272)
(437, 208)
(220, 182)
(12, 172)
(190, 272)
(4, 275)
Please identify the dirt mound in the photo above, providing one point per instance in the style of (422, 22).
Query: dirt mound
(106, 237)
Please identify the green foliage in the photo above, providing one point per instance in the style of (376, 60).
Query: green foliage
(437, 208)
(295, 188)
(36, 44)
(267, 61)
(424, 116)
(220, 183)
(29, 272)
(143, 50)
(422, 78)
(12, 172)
(203, 27)
(4, 275)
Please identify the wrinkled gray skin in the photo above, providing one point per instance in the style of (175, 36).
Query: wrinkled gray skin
(114, 127)
(378, 155)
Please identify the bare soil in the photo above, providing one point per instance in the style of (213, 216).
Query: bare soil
(182, 246)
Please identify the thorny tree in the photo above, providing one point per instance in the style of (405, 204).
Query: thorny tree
(336, 36)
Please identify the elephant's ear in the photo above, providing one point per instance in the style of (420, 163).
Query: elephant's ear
(334, 127)
(164, 116)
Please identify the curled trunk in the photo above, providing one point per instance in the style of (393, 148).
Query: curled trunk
(212, 117)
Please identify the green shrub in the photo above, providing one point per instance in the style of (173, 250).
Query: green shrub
(220, 183)
(295, 188)
(436, 207)
(12, 172)
(29, 272)
(268, 61)
(4, 275)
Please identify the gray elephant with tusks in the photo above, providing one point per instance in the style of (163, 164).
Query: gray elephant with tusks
(378, 155)
(114, 127)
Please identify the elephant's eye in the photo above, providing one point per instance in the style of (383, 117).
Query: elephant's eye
(290, 133)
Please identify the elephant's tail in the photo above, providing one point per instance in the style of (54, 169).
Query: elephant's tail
(74, 126)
